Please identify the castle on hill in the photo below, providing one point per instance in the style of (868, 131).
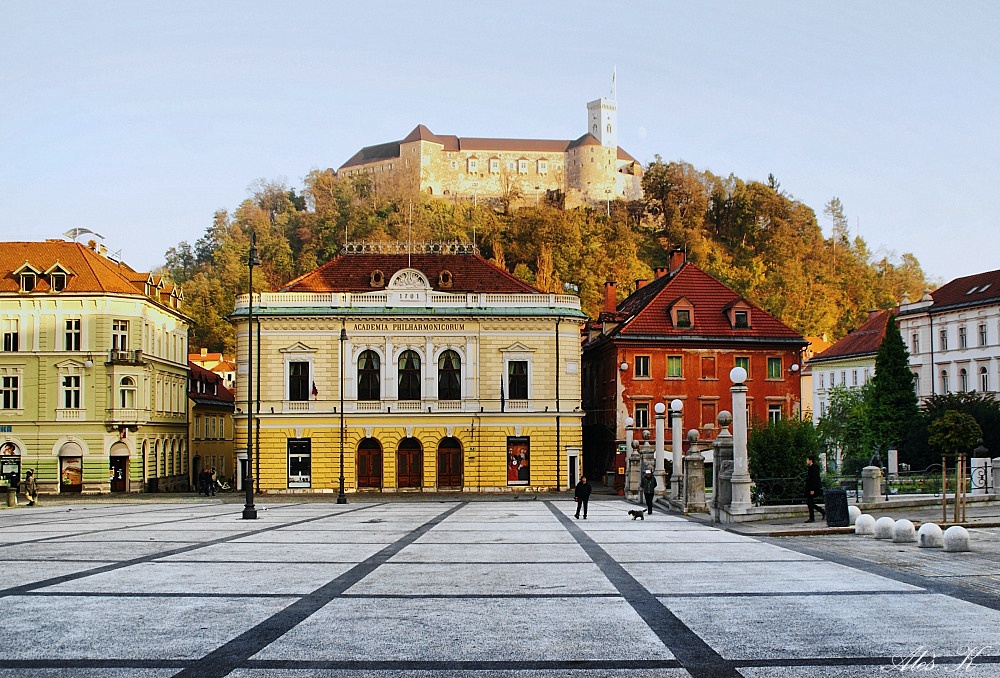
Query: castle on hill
(591, 169)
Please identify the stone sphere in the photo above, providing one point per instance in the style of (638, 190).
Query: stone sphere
(930, 536)
(725, 418)
(693, 435)
(864, 524)
(956, 538)
(853, 513)
(903, 532)
(883, 527)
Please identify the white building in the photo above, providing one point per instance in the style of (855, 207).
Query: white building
(953, 335)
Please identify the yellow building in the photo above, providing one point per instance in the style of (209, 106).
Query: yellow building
(446, 372)
(587, 170)
(93, 371)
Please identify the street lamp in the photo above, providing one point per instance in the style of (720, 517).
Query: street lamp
(341, 497)
(249, 511)
(741, 474)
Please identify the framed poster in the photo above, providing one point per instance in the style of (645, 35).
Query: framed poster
(518, 461)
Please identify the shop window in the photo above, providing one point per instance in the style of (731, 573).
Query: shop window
(299, 462)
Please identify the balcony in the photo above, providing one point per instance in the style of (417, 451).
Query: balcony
(116, 357)
(70, 414)
(125, 416)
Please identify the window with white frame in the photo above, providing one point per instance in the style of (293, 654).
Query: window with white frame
(944, 382)
(984, 380)
(126, 393)
(119, 335)
(10, 394)
(522, 166)
(494, 165)
(71, 392)
(641, 415)
(944, 339)
(517, 379)
(868, 375)
(774, 412)
(473, 165)
(982, 334)
(963, 380)
(11, 334)
(543, 167)
(298, 380)
(963, 337)
(73, 334)
(822, 380)
(916, 383)
(915, 343)
(854, 377)
(642, 366)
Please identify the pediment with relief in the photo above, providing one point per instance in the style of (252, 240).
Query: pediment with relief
(517, 347)
(409, 279)
(297, 347)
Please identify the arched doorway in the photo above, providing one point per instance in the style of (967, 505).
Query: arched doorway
(119, 467)
(409, 464)
(369, 464)
(70, 467)
(449, 464)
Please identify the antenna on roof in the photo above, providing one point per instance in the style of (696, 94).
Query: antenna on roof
(409, 236)
(75, 233)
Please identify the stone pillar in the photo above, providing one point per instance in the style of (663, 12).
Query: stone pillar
(996, 475)
(628, 454)
(634, 471)
(658, 471)
(871, 484)
(676, 424)
(722, 468)
(694, 476)
(980, 473)
(893, 467)
(741, 466)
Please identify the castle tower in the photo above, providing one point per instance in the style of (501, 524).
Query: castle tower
(602, 121)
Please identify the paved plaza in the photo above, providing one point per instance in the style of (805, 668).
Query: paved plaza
(479, 588)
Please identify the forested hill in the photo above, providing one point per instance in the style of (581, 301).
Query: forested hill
(751, 235)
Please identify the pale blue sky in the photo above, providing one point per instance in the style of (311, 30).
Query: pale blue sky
(138, 121)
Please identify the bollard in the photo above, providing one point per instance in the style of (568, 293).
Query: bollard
(853, 512)
(929, 536)
(865, 524)
(871, 484)
(11, 496)
(956, 539)
(883, 527)
(903, 532)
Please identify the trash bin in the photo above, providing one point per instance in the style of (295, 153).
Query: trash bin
(11, 496)
(609, 479)
(836, 507)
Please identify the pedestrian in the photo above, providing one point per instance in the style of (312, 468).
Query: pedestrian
(648, 486)
(204, 478)
(212, 480)
(813, 487)
(30, 487)
(582, 495)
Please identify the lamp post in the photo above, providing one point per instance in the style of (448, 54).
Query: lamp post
(741, 468)
(341, 497)
(676, 423)
(659, 472)
(249, 511)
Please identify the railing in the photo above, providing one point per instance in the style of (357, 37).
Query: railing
(298, 406)
(116, 357)
(380, 299)
(70, 415)
(770, 491)
(428, 405)
(126, 415)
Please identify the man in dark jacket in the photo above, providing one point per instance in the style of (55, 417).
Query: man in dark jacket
(648, 485)
(582, 495)
(813, 488)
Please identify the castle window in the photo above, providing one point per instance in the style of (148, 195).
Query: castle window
(511, 165)
(494, 165)
(543, 167)
(473, 165)
(454, 164)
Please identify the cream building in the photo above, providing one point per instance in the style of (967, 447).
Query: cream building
(446, 372)
(93, 371)
(590, 169)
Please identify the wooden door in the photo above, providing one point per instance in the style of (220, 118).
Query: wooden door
(369, 468)
(449, 465)
(409, 468)
(119, 474)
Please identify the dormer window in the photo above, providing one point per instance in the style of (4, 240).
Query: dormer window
(28, 281)
(682, 313)
(377, 279)
(444, 279)
(57, 281)
(739, 314)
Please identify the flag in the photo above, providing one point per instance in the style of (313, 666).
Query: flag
(503, 402)
(315, 390)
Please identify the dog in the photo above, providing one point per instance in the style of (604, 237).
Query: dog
(636, 513)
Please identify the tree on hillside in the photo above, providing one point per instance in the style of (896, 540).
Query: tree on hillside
(893, 405)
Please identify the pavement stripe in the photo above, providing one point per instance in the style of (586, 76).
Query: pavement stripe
(52, 581)
(693, 653)
(234, 654)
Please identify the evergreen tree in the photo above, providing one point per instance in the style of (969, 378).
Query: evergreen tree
(893, 406)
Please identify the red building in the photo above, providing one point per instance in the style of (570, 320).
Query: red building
(678, 336)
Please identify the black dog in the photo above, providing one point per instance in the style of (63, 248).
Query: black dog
(635, 513)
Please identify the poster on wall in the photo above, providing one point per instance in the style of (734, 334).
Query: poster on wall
(71, 472)
(518, 461)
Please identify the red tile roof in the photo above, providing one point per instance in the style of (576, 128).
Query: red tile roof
(649, 310)
(220, 395)
(861, 342)
(971, 289)
(89, 272)
(353, 273)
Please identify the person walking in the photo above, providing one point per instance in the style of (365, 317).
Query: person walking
(813, 487)
(648, 486)
(582, 495)
(31, 487)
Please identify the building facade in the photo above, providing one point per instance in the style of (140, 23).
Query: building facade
(678, 337)
(849, 362)
(93, 371)
(953, 335)
(426, 370)
(590, 169)
(210, 417)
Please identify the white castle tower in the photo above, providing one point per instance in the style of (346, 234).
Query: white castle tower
(602, 121)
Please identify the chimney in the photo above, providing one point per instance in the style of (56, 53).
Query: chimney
(660, 271)
(639, 284)
(204, 352)
(675, 260)
(872, 313)
(610, 300)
